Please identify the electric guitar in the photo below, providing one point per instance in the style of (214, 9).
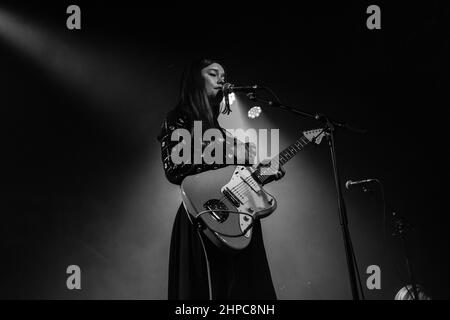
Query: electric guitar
(225, 202)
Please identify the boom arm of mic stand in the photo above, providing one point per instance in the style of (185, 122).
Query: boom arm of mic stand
(318, 117)
(340, 124)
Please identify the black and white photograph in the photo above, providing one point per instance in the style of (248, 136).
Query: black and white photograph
(243, 152)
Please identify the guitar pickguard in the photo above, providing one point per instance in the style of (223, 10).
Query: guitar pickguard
(246, 194)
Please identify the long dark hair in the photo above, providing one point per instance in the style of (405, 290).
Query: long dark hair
(193, 98)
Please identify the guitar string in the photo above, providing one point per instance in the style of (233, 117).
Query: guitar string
(234, 212)
(241, 188)
(288, 156)
(242, 185)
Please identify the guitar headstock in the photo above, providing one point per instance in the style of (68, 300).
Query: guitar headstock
(315, 135)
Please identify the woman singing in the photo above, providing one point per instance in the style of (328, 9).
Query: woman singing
(197, 268)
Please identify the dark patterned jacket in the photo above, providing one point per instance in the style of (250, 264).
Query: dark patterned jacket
(175, 173)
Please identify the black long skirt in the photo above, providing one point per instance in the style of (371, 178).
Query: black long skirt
(241, 275)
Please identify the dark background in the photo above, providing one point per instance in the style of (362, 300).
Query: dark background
(80, 115)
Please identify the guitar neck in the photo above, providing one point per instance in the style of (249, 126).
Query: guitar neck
(288, 153)
(282, 158)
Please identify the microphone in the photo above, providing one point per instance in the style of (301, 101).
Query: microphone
(350, 184)
(227, 88)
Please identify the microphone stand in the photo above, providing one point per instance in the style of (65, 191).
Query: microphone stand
(330, 128)
(401, 225)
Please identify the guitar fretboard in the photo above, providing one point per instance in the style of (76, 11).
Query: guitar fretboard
(284, 156)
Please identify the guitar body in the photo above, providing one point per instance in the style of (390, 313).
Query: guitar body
(225, 202)
(219, 193)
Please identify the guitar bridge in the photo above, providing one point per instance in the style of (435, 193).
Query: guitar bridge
(218, 205)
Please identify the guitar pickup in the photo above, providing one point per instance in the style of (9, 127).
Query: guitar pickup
(230, 196)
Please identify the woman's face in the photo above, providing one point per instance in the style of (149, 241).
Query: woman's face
(214, 77)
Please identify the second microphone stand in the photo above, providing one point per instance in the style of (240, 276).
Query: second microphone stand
(330, 128)
(401, 226)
